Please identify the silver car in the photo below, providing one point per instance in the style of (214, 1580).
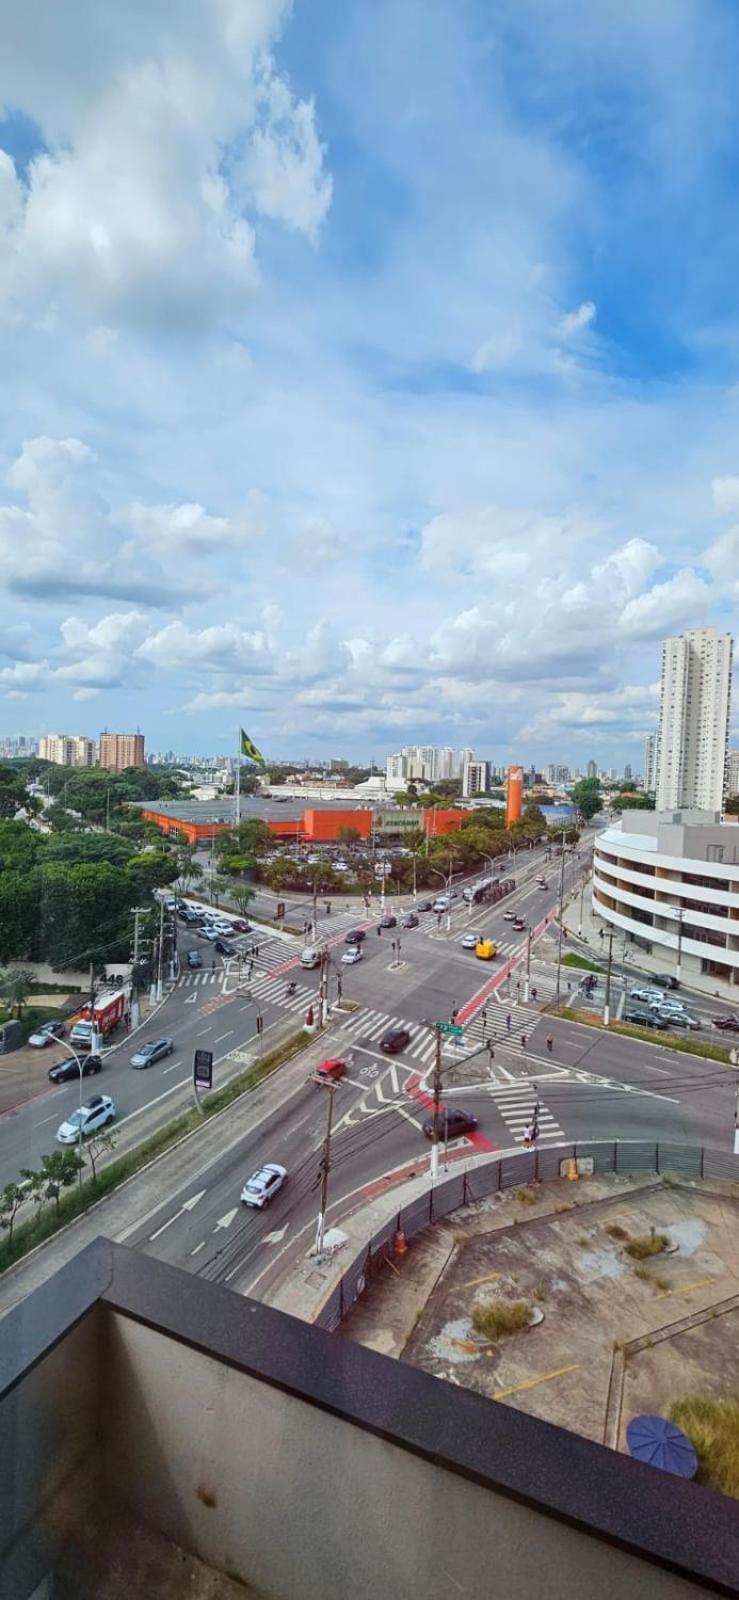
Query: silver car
(263, 1185)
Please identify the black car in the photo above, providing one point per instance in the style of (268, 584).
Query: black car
(409, 920)
(67, 1071)
(731, 1024)
(354, 936)
(194, 959)
(645, 1019)
(394, 1040)
(452, 1123)
(665, 980)
(425, 905)
(224, 948)
(388, 921)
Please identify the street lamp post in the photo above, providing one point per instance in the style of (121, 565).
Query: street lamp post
(607, 1002)
(78, 1060)
(447, 881)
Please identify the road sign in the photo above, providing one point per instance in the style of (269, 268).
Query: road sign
(452, 1029)
(203, 1069)
(280, 911)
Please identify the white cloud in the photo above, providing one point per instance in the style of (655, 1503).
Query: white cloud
(574, 322)
(725, 493)
(682, 601)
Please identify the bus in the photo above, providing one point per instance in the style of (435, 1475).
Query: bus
(487, 890)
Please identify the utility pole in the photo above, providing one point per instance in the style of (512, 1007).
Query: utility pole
(437, 1098)
(736, 1120)
(582, 897)
(527, 980)
(679, 941)
(159, 951)
(323, 989)
(607, 1003)
(325, 1168)
(138, 911)
(561, 900)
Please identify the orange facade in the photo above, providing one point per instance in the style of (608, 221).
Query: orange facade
(514, 799)
(435, 821)
(323, 826)
(192, 832)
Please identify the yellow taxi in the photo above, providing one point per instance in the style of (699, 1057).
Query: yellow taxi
(485, 949)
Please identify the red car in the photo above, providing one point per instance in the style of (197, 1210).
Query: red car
(240, 926)
(332, 1067)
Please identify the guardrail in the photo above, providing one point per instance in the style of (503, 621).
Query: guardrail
(508, 1172)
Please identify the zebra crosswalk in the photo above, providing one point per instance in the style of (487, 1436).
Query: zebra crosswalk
(370, 1025)
(491, 1022)
(515, 1104)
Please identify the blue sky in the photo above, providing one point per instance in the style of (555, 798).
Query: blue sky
(372, 371)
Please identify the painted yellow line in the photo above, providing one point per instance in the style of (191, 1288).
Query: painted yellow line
(473, 1282)
(700, 1283)
(531, 1383)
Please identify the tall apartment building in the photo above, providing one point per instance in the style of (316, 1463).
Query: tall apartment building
(557, 774)
(444, 762)
(732, 774)
(475, 778)
(464, 756)
(592, 769)
(119, 750)
(694, 708)
(67, 749)
(650, 762)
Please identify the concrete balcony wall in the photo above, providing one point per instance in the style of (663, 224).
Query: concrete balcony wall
(310, 1467)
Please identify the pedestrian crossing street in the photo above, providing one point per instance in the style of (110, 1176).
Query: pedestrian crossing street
(271, 953)
(515, 1104)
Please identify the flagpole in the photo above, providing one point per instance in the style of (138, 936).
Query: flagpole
(237, 787)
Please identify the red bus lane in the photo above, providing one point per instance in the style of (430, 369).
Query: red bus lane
(416, 1092)
(475, 1004)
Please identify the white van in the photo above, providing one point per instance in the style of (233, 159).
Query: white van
(310, 957)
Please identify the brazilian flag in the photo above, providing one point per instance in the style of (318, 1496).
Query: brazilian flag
(248, 748)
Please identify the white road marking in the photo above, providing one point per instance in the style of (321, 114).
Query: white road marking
(276, 1237)
(52, 1118)
(225, 1222)
(190, 1001)
(172, 1068)
(198, 1247)
(223, 1036)
(204, 1030)
(187, 1205)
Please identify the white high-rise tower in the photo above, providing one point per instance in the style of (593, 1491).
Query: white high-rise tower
(694, 720)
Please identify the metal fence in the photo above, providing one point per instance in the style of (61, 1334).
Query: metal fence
(508, 1172)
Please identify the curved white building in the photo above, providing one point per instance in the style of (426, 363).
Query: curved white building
(669, 881)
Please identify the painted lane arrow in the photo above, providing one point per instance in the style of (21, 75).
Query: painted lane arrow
(225, 1222)
(188, 1205)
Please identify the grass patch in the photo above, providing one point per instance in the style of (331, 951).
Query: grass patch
(713, 1427)
(571, 960)
(643, 1273)
(526, 1197)
(539, 1293)
(34, 1231)
(646, 1245)
(671, 1041)
(500, 1317)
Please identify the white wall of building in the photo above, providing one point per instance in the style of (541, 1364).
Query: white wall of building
(695, 701)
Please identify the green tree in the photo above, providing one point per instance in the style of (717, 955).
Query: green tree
(155, 870)
(633, 802)
(19, 846)
(348, 836)
(13, 794)
(15, 986)
(189, 870)
(100, 1143)
(219, 888)
(58, 1171)
(280, 874)
(61, 820)
(237, 864)
(732, 806)
(242, 896)
(586, 795)
(11, 1200)
(73, 847)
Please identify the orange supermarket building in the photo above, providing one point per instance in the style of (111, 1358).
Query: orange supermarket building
(194, 824)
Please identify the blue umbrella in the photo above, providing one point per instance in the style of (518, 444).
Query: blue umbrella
(662, 1444)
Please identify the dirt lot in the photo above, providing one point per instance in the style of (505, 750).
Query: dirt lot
(565, 1255)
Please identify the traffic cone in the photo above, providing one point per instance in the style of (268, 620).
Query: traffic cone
(309, 1018)
(401, 1248)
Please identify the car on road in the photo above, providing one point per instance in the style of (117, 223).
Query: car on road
(153, 1050)
(46, 1034)
(471, 941)
(240, 925)
(352, 956)
(263, 1185)
(646, 996)
(519, 924)
(730, 1024)
(410, 920)
(354, 936)
(194, 959)
(486, 949)
(452, 1123)
(388, 921)
(509, 916)
(644, 1019)
(541, 883)
(666, 980)
(209, 933)
(440, 904)
(223, 928)
(67, 1071)
(224, 948)
(333, 1067)
(677, 1019)
(425, 905)
(394, 1040)
(98, 1112)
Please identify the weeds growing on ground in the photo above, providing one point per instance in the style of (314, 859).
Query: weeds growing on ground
(713, 1427)
(500, 1317)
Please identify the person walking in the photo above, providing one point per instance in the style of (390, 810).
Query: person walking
(508, 1022)
(550, 1043)
(523, 1041)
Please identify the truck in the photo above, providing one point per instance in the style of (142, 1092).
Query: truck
(101, 1017)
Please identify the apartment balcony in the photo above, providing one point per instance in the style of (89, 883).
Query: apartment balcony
(163, 1436)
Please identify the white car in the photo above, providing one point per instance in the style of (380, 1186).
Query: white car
(351, 956)
(99, 1111)
(471, 940)
(212, 933)
(647, 996)
(509, 916)
(340, 866)
(263, 1184)
(223, 929)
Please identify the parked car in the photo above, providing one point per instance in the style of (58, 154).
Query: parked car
(665, 980)
(67, 1071)
(355, 936)
(646, 995)
(471, 940)
(333, 1067)
(98, 1112)
(210, 934)
(263, 1185)
(452, 1123)
(351, 956)
(410, 920)
(46, 1034)
(425, 905)
(394, 1040)
(194, 959)
(153, 1050)
(240, 925)
(224, 948)
(731, 1023)
(678, 1019)
(645, 1019)
(340, 866)
(667, 1008)
(388, 920)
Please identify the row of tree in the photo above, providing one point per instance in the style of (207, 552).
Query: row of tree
(45, 1184)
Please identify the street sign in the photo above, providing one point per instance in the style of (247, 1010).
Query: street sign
(280, 914)
(452, 1029)
(203, 1069)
